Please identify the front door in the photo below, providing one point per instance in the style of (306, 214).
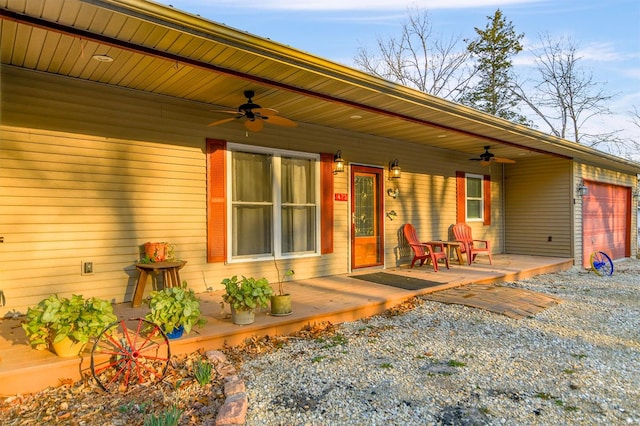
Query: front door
(367, 240)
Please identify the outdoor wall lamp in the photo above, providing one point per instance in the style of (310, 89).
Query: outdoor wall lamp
(338, 163)
(582, 189)
(394, 169)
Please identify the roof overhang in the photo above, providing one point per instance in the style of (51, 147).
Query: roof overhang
(159, 49)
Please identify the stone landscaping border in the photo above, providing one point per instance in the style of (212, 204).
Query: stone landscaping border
(234, 409)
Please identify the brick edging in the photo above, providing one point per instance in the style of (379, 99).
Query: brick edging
(234, 409)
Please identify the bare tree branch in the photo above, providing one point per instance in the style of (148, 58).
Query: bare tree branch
(418, 59)
(566, 97)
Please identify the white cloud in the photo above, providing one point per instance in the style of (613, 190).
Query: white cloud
(600, 52)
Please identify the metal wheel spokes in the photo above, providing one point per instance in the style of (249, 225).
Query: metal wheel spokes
(129, 352)
(601, 263)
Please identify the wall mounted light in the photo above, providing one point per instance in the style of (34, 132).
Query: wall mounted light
(338, 163)
(582, 189)
(394, 169)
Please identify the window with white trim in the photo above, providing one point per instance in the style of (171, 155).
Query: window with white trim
(274, 203)
(474, 197)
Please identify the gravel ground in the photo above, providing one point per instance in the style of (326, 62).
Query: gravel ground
(576, 363)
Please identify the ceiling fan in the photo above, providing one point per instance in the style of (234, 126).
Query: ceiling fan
(255, 116)
(486, 158)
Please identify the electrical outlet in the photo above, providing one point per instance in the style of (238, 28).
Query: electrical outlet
(87, 268)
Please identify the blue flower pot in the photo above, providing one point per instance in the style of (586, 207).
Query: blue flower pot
(176, 333)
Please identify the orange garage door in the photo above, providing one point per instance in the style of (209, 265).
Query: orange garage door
(606, 221)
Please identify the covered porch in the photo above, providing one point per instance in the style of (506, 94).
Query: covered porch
(334, 299)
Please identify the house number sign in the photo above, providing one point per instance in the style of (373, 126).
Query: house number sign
(341, 197)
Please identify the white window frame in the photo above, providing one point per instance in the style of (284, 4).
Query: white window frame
(467, 198)
(276, 229)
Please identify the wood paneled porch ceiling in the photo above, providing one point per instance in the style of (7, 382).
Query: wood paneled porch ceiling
(158, 49)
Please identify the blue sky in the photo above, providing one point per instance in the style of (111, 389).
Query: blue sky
(607, 33)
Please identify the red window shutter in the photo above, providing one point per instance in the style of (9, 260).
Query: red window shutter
(487, 200)
(326, 203)
(216, 209)
(461, 202)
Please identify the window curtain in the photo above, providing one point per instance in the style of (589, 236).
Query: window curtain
(252, 204)
(298, 205)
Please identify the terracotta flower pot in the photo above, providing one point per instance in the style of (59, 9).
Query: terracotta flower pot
(156, 252)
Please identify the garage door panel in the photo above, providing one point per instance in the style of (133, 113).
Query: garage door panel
(605, 220)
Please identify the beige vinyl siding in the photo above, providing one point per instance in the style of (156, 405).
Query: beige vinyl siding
(594, 173)
(115, 169)
(427, 200)
(91, 172)
(538, 205)
(68, 198)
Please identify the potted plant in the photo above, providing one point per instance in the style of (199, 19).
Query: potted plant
(175, 309)
(281, 302)
(66, 325)
(157, 252)
(245, 296)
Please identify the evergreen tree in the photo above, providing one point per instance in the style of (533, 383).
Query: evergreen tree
(493, 49)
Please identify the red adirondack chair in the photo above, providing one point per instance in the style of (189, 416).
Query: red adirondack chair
(462, 233)
(430, 252)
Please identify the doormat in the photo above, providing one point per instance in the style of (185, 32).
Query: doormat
(399, 281)
(513, 302)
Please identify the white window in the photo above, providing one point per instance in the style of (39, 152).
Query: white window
(474, 197)
(274, 207)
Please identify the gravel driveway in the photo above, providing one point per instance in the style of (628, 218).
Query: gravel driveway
(575, 363)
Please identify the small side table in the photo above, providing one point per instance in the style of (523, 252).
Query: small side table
(170, 276)
(452, 246)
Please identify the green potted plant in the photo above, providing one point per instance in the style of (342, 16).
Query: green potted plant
(281, 302)
(175, 309)
(158, 252)
(66, 325)
(245, 296)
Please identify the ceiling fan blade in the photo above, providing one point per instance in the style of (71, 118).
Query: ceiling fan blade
(224, 120)
(475, 159)
(280, 121)
(503, 160)
(266, 112)
(226, 111)
(254, 125)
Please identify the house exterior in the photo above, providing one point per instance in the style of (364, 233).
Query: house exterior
(98, 158)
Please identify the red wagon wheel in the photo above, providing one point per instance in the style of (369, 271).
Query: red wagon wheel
(129, 352)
